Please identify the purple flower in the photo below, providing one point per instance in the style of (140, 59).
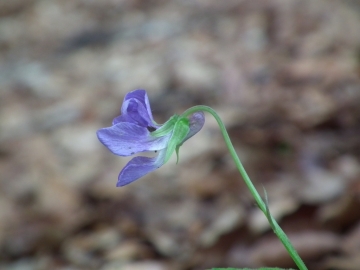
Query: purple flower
(135, 131)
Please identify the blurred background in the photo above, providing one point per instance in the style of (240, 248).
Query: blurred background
(282, 74)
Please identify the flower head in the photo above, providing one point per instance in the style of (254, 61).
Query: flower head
(135, 131)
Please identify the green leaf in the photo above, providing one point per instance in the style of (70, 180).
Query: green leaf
(166, 127)
(181, 129)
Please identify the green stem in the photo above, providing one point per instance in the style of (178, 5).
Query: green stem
(263, 207)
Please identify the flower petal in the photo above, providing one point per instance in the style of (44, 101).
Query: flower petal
(140, 95)
(136, 109)
(125, 139)
(120, 118)
(138, 167)
(133, 111)
(197, 121)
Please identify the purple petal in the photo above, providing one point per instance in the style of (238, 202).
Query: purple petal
(197, 121)
(141, 96)
(133, 111)
(126, 139)
(138, 167)
(120, 118)
(136, 109)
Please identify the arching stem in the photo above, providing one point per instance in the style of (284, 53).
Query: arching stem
(263, 207)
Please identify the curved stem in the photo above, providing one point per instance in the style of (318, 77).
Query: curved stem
(263, 207)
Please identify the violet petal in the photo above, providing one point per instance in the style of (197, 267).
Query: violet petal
(141, 96)
(136, 109)
(133, 111)
(126, 139)
(138, 167)
(197, 121)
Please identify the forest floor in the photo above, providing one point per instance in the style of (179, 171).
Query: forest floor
(284, 77)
